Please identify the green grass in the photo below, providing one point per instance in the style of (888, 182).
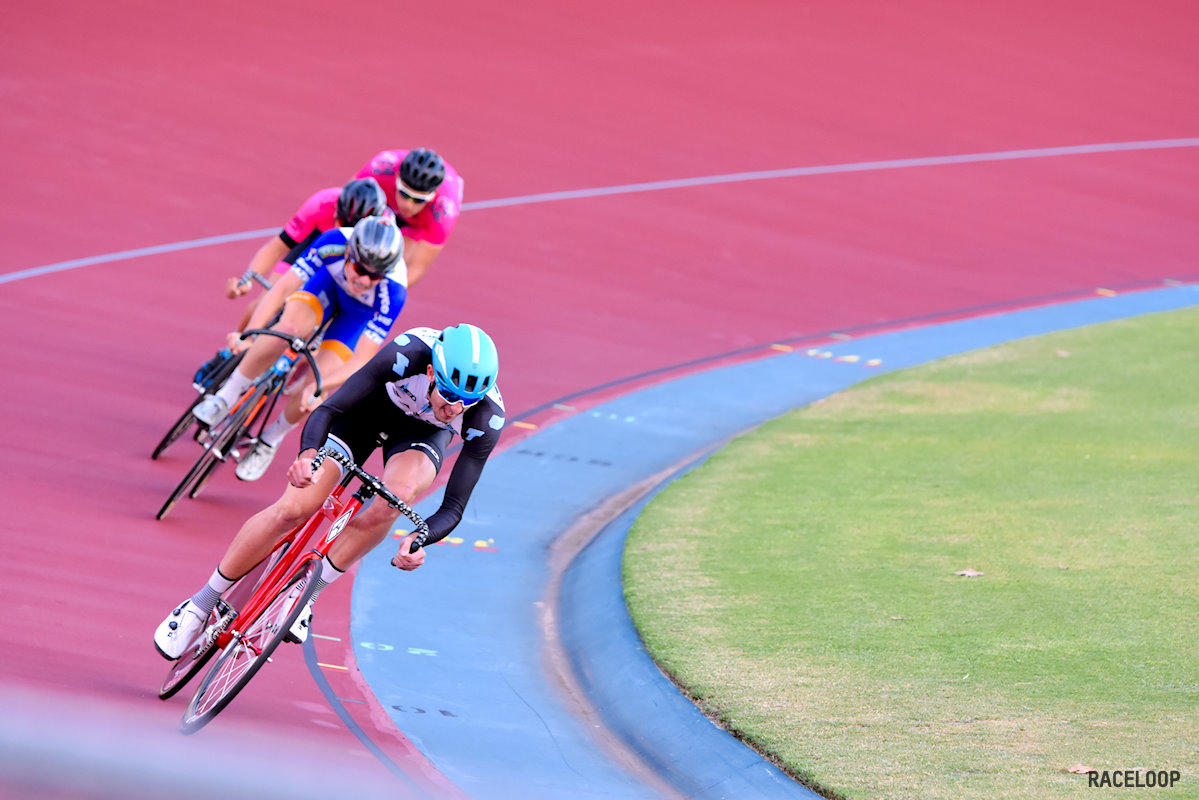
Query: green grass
(800, 584)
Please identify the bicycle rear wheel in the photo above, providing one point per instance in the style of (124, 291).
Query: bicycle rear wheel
(222, 371)
(251, 647)
(178, 429)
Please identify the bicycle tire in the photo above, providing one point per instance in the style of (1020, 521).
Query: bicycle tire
(193, 660)
(206, 463)
(181, 425)
(218, 377)
(197, 654)
(237, 432)
(202, 464)
(249, 649)
(202, 479)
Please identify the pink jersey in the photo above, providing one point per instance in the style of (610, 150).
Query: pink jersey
(436, 219)
(317, 215)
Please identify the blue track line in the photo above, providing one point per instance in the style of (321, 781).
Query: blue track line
(338, 706)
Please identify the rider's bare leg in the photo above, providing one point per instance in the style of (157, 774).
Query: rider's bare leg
(262, 531)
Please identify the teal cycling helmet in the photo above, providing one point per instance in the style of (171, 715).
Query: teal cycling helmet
(465, 363)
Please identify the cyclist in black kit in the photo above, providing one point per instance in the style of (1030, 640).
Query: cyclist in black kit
(418, 390)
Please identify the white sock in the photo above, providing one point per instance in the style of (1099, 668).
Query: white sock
(329, 573)
(273, 433)
(234, 387)
(217, 585)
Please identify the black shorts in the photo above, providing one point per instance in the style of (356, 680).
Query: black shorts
(377, 422)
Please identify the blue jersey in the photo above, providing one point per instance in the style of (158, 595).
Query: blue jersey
(371, 313)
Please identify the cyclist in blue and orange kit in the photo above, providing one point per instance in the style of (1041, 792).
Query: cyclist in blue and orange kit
(356, 275)
(325, 210)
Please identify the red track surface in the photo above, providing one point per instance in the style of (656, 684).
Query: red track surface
(129, 125)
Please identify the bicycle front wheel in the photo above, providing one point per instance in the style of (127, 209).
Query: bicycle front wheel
(239, 424)
(202, 466)
(202, 479)
(251, 647)
(224, 439)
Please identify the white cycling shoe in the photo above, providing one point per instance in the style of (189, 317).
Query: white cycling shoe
(211, 410)
(253, 464)
(177, 631)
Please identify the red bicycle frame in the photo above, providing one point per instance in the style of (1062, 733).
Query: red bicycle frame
(334, 508)
(245, 638)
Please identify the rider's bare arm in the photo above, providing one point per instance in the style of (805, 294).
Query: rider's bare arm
(270, 304)
(270, 254)
(418, 256)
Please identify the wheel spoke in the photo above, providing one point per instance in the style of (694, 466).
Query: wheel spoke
(249, 649)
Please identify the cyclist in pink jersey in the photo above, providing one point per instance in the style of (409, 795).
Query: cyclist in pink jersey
(425, 193)
(325, 210)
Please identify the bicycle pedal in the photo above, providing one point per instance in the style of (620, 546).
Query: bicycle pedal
(225, 616)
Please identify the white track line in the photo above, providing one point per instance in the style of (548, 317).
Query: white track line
(653, 186)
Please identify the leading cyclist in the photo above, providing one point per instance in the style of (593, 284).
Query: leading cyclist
(414, 396)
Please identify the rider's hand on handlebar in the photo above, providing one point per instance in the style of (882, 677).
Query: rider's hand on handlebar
(236, 287)
(405, 560)
(236, 344)
(309, 400)
(300, 473)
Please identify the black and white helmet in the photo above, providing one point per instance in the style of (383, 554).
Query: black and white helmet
(376, 245)
(362, 197)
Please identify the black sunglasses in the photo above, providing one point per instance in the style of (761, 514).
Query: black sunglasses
(364, 272)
